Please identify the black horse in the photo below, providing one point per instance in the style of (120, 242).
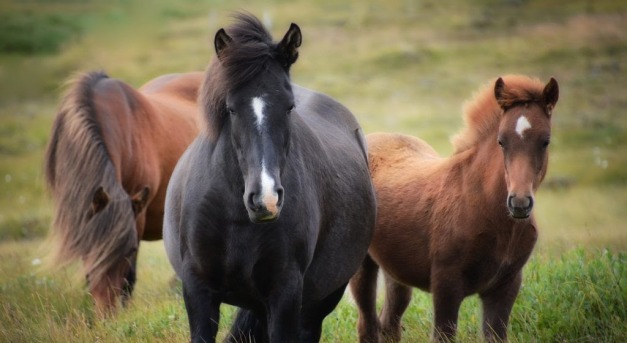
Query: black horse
(271, 208)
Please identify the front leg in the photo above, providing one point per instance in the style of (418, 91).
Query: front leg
(203, 310)
(497, 306)
(283, 309)
(448, 294)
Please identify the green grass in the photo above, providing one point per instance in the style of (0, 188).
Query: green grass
(400, 66)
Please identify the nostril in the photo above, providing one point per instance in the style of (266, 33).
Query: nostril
(279, 192)
(252, 203)
(529, 202)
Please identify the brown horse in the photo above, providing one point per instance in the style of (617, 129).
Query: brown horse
(108, 162)
(460, 225)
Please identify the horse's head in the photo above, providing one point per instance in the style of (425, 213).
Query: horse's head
(258, 108)
(524, 135)
(110, 268)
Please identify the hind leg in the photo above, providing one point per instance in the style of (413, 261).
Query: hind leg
(364, 289)
(248, 327)
(312, 316)
(497, 306)
(397, 298)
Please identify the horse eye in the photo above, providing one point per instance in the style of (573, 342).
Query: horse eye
(545, 144)
(500, 143)
(289, 111)
(231, 111)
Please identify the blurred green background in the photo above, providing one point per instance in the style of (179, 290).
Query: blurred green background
(399, 65)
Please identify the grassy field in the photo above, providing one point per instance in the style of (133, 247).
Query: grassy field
(403, 66)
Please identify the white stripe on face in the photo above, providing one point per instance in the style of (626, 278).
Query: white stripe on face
(268, 195)
(258, 106)
(522, 125)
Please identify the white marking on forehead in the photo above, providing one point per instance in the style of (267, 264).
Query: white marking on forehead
(522, 125)
(268, 195)
(258, 106)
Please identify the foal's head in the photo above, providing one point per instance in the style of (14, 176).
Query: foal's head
(524, 135)
(258, 101)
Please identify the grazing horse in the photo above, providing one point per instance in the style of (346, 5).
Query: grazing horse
(460, 225)
(271, 208)
(109, 159)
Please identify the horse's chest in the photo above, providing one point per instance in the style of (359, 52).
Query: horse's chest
(498, 258)
(240, 265)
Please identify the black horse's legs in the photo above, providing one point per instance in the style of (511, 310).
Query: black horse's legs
(248, 327)
(283, 309)
(203, 311)
(312, 316)
(364, 289)
(397, 298)
(447, 298)
(497, 306)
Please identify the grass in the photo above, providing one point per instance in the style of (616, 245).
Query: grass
(399, 66)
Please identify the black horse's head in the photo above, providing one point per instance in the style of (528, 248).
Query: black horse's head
(257, 105)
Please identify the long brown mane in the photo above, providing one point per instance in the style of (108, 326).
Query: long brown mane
(249, 53)
(482, 113)
(76, 164)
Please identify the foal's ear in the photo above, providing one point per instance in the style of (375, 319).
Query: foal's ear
(499, 90)
(140, 199)
(221, 41)
(288, 47)
(550, 94)
(99, 200)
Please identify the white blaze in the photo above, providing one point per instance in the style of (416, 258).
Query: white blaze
(522, 125)
(258, 106)
(268, 195)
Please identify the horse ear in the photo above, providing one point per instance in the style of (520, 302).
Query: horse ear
(499, 89)
(221, 41)
(140, 199)
(550, 94)
(288, 47)
(99, 200)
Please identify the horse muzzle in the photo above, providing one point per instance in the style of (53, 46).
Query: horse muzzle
(264, 208)
(519, 207)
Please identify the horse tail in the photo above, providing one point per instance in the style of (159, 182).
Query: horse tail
(76, 165)
(246, 328)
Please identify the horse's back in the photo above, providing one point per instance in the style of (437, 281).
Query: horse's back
(330, 122)
(393, 151)
(183, 85)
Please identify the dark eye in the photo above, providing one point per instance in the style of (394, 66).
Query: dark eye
(501, 144)
(231, 111)
(545, 144)
(289, 110)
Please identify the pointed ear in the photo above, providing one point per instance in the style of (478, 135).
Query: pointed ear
(499, 90)
(140, 199)
(221, 41)
(99, 200)
(288, 47)
(550, 94)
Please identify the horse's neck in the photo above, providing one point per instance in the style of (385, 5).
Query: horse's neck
(126, 135)
(485, 171)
